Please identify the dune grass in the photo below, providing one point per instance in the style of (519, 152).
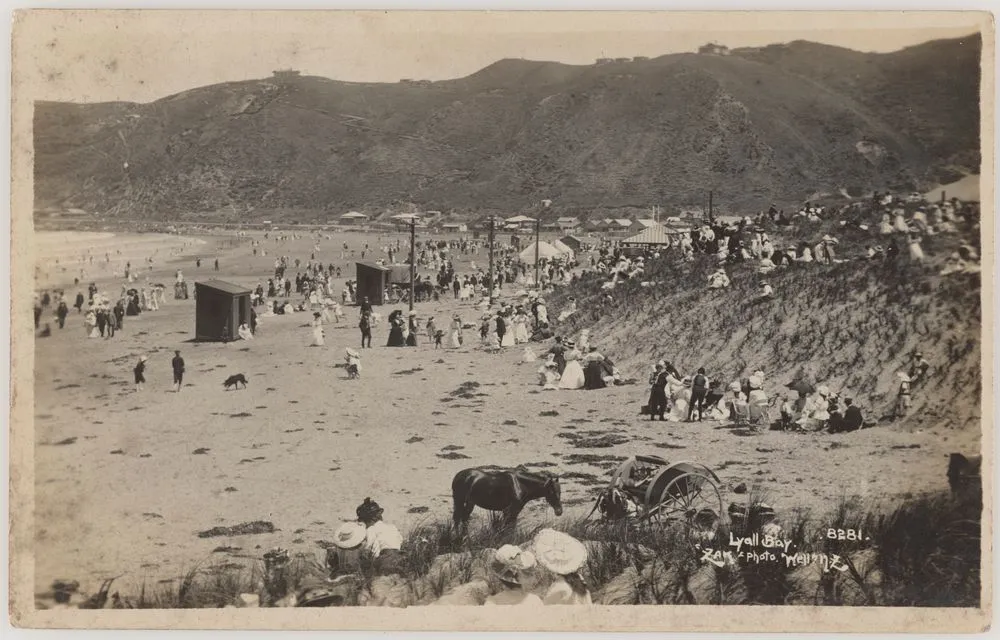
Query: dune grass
(920, 552)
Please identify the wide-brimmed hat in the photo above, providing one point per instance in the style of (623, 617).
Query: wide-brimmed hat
(903, 376)
(661, 364)
(350, 535)
(569, 344)
(509, 561)
(143, 358)
(823, 390)
(316, 314)
(735, 386)
(686, 381)
(412, 313)
(558, 552)
(352, 353)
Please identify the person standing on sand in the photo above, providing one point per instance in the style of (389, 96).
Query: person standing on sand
(216, 264)
(61, 312)
(411, 336)
(178, 365)
(658, 392)
(699, 389)
(366, 330)
(140, 371)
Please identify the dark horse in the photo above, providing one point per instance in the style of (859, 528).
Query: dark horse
(506, 491)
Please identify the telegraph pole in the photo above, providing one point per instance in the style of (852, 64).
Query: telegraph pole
(413, 256)
(711, 216)
(538, 228)
(492, 219)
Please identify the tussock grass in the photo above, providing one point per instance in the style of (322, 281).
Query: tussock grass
(920, 552)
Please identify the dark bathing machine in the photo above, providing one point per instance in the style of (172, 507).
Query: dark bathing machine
(220, 308)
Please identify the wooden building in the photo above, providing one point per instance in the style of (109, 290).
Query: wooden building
(372, 282)
(220, 308)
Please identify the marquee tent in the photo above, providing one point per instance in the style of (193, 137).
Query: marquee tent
(545, 250)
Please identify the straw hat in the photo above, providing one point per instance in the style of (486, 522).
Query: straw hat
(509, 561)
(661, 364)
(143, 358)
(412, 313)
(558, 552)
(902, 376)
(350, 535)
(823, 390)
(735, 386)
(686, 381)
(352, 353)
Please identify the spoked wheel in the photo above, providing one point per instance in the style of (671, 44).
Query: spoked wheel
(692, 499)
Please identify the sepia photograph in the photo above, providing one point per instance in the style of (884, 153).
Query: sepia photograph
(635, 312)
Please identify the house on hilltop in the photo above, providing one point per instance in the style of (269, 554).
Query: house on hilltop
(713, 49)
(286, 74)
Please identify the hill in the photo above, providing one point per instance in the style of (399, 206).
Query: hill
(774, 124)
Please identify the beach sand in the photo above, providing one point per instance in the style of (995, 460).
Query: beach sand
(126, 480)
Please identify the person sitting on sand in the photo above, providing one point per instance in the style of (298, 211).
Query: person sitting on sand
(513, 566)
(345, 556)
(382, 539)
(244, 332)
(564, 556)
(548, 375)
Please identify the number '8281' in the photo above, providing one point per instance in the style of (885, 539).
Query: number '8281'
(856, 535)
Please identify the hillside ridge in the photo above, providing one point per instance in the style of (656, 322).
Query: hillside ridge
(759, 125)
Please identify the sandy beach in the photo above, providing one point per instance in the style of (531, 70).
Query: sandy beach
(126, 480)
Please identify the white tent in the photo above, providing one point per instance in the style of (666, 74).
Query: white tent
(353, 215)
(563, 248)
(519, 219)
(545, 250)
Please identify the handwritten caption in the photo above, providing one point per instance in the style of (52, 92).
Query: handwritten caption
(763, 548)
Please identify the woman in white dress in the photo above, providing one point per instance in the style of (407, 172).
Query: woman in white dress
(455, 337)
(916, 252)
(572, 375)
(317, 330)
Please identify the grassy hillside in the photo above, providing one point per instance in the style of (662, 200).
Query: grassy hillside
(777, 124)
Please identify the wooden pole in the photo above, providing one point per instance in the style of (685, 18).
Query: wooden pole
(538, 230)
(413, 257)
(711, 216)
(491, 260)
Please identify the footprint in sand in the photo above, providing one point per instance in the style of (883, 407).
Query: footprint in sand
(230, 489)
(117, 452)
(200, 451)
(413, 439)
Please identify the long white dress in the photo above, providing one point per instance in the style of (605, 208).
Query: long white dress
(520, 328)
(916, 253)
(456, 332)
(572, 375)
(317, 332)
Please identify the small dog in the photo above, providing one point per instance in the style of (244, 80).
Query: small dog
(235, 380)
(438, 337)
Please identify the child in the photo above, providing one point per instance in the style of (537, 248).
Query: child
(353, 364)
(903, 399)
(484, 330)
(438, 337)
(139, 371)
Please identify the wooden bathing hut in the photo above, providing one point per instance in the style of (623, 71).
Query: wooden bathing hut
(220, 308)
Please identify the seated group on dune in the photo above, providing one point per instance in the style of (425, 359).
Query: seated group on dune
(571, 366)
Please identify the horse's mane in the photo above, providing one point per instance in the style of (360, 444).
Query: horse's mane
(541, 476)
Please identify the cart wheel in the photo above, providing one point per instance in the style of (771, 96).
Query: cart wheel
(687, 497)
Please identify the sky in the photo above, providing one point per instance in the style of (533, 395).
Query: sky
(137, 56)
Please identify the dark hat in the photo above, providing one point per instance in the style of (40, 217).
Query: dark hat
(369, 510)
